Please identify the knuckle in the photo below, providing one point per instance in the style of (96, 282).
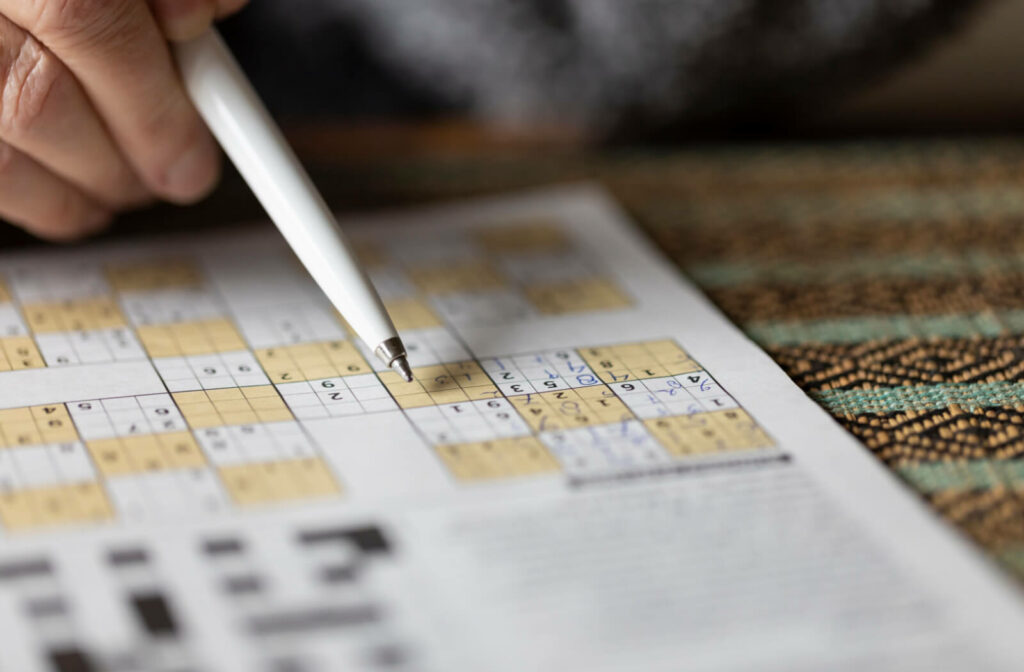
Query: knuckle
(173, 130)
(72, 24)
(7, 158)
(29, 82)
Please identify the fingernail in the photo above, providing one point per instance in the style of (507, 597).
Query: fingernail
(195, 171)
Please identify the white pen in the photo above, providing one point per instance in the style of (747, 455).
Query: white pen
(237, 118)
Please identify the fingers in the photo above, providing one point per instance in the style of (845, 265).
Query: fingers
(42, 203)
(119, 56)
(45, 114)
(183, 20)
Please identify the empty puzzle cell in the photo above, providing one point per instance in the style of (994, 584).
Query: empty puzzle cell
(181, 451)
(281, 481)
(411, 314)
(260, 392)
(190, 398)
(144, 453)
(526, 238)
(582, 295)
(314, 478)
(110, 457)
(308, 353)
(317, 371)
(16, 510)
(274, 403)
(21, 434)
(592, 392)
(344, 352)
(274, 415)
(246, 417)
(502, 458)
(246, 484)
(686, 439)
(450, 396)
(456, 277)
(154, 275)
(232, 406)
(16, 415)
(739, 430)
(223, 335)
(414, 400)
(227, 394)
(66, 505)
(157, 341)
(202, 420)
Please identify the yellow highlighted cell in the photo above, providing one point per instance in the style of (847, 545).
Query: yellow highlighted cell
(501, 458)
(456, 277)
(312, 361)
(576, 296)
(32, 425)
(719, 431)
(232, 406)
(441, 384)
(526, 237)
(154, 274)
(19, 352)
(201, 337)
(656, 359)
(570, 409)
(24, 510)
(97, 312)
(265, 482)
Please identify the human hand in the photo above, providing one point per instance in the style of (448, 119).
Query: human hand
(93, 117)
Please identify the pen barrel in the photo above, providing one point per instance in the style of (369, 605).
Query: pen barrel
(247, 133)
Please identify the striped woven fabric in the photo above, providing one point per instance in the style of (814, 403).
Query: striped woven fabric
(886, 278)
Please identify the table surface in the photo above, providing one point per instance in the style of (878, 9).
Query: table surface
(887, 278)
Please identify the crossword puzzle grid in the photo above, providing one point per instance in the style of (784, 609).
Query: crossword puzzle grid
(227, 431)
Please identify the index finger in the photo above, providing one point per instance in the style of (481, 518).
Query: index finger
(118, 54)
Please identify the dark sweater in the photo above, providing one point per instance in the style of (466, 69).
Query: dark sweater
(601, 63)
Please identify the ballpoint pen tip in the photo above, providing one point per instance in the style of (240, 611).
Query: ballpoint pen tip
(401, 367)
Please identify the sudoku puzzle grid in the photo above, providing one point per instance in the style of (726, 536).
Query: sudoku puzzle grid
(241, 377)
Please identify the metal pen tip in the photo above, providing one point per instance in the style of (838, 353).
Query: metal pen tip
(392, 353)
(401, 367)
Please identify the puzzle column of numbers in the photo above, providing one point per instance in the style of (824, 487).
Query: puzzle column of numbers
(61, 315)
(580, 411)
(183, 326)
(678, 402)
(46, 474)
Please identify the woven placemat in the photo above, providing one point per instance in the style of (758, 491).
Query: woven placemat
(886, 278)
